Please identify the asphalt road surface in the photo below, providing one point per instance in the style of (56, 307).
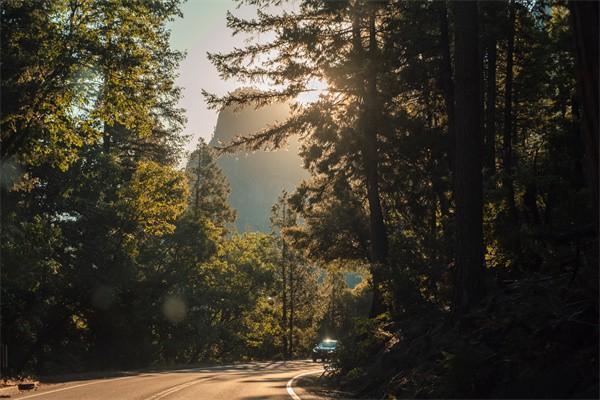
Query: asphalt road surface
(249, 381)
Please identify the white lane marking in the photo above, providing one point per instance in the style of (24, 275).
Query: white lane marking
(118, 379)
(76, 386)
(290, 384)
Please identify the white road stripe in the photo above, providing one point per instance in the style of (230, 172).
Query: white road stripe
(73, 387)
(290, 384)
(118, 379)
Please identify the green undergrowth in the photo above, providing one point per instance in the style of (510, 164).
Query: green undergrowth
(532, 338)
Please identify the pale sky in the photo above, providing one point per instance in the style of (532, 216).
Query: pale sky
(203, 28)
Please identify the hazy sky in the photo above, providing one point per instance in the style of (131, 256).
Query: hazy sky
(203, 28)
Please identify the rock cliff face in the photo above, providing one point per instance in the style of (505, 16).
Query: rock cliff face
(256, 178)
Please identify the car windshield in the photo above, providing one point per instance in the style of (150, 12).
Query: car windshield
(330, 344)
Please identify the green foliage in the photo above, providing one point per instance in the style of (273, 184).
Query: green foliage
(97, 249)
(297, 286)
(153, 198)
(360, 345)
(209, 191)
(69, 68)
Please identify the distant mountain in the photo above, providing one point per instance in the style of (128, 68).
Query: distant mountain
(257, 178)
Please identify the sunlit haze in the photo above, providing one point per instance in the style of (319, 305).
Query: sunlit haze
(203, 29)
(317, 88)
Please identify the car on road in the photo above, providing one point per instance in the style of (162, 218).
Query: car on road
(324, 350)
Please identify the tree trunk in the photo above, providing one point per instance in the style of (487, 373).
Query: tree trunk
(291, 319)
(284, 313)
(369, 128)
(284, 309)
(584, 21)
(198, 181)
(379, 240)
(490, 115)
(507, 153)
(446, 84)
(469, 265)
(106, 140)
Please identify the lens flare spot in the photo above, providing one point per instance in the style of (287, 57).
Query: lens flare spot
(174, 309)
(316, 88)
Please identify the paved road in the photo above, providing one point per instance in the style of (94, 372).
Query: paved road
(250, 381)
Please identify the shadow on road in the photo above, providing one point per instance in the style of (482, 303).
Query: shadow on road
(265, 367)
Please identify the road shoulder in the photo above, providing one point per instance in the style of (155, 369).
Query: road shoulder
(318, 386)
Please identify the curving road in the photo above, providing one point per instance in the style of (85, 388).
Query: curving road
(249, 381)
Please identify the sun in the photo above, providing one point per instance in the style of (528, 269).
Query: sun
(316, 88)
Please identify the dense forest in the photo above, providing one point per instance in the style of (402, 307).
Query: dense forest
(112, 255)
(452, 163)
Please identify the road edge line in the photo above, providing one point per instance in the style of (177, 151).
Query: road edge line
(76, 386)
(104, 380)
(290, 384)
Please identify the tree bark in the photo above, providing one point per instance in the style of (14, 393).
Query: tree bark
(584, 21)
(369, 128)
(284, 294)
(507, 140)
(198, 181)
(291, 319)
(490, 114)
(379, 240)
(446, 84)
(469, 286)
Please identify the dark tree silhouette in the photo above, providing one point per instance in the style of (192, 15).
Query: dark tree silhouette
(468, 190)
(584, 18)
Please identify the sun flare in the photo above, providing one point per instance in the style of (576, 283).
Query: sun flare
(315, 89)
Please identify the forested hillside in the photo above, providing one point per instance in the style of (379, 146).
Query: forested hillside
(451, 162)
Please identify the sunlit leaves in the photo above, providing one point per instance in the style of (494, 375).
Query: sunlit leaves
(155, 197)
(69, 68)
(209, 190)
